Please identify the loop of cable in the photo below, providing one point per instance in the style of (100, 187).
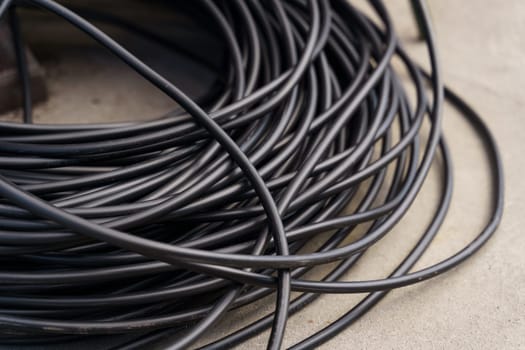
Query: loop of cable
(306, 151)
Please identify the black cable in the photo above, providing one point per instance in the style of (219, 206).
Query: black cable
(157, 230)
(23, 68)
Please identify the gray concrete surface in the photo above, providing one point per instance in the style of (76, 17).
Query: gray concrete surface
(481, 304)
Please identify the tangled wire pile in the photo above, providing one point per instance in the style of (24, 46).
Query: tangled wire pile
(159, 229)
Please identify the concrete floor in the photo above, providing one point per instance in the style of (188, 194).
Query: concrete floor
(480, 305)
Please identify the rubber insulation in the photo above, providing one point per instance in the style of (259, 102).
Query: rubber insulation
(309, 149)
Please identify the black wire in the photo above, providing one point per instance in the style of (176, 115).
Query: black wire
(23, 68)
(158, 229)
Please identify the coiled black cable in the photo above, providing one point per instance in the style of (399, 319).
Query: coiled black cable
(161, 228)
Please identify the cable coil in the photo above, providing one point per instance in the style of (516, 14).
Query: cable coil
(157, 230)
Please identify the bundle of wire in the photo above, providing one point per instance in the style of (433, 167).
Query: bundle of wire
(157, 230)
